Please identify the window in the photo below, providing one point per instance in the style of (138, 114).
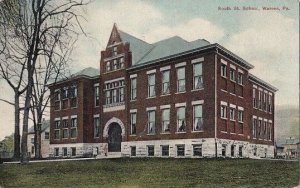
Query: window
(96, 127)
(270, 131)
(259, 99)
(57, 100)
(231, 114)
(133, 123)
(65, 123)
(122, 62)
(259, 128)
(232, 75)
(56, 134)
(180, 150)
(151, 122)
(265, 102)
(32, 149)
(265, 130)
(165, 150)
(270, 103)
(133, 89)
(165, 82)
(57, 95)
(198, 120)
(223, 70)
(240, 115)
(65, 102)
(133, 151)
(64, 93)
(181, 119)
(254, 98)
(254, 127)
(65, 151)
(255, 151)
(115, 50)
(121, 94)
(150, 150)
(181, 79)
(198, 78)
(240, 151)
(240, 78)
(197, 150)
(57, 129)
(223, 150)
(32, 140)
(65, 133)
(114, 92)
(47, 135)
(115, 65)
(223, 111)
(108, 68)
(73, 151)
(97, 95)
(232, 150)
(165, 120)
(73, 127)
(151, 85)
(56, 152)
(72, 92)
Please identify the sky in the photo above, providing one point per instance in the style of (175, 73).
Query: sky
(268, 39)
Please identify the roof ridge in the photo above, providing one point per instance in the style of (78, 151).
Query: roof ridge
(133, 36)
(174, 36)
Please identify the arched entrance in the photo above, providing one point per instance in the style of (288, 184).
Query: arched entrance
(114, 137)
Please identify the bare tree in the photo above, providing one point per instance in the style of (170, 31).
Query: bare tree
(12, 61)
(52, 67)
(39, 23)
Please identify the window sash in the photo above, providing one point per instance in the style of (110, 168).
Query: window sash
(181, 125)
(231, 114)
(73, 132)
(223, 111)
(96, 127)
(151, 122)
(133, 89)
(133, 123)
(198, 120)
(197, 150)
(223, 70)
(181, 79)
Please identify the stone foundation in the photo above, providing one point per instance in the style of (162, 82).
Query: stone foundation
(225, 148)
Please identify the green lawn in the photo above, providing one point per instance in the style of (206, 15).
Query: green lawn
(152, 172)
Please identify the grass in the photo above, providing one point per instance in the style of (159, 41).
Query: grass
(154, 172)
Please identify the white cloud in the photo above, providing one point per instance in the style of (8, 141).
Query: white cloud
(269, 41)
(197, 28)
(138, 18)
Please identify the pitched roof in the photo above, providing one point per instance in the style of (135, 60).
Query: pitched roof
(143, 52)
(45, 125)
(90, 72)
(261, 82)
(139, 48)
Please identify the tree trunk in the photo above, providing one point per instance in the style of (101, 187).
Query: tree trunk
(37, 140)
(24, 149)
(17, 128)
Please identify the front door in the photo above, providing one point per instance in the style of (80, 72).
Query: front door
(114, 138)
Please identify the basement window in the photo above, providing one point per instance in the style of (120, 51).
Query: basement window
(180, 150)
(223, 150)
(133, 151)
(165, 150)
(150, 150)
(197, 150)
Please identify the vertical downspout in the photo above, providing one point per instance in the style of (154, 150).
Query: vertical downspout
(216, 146)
